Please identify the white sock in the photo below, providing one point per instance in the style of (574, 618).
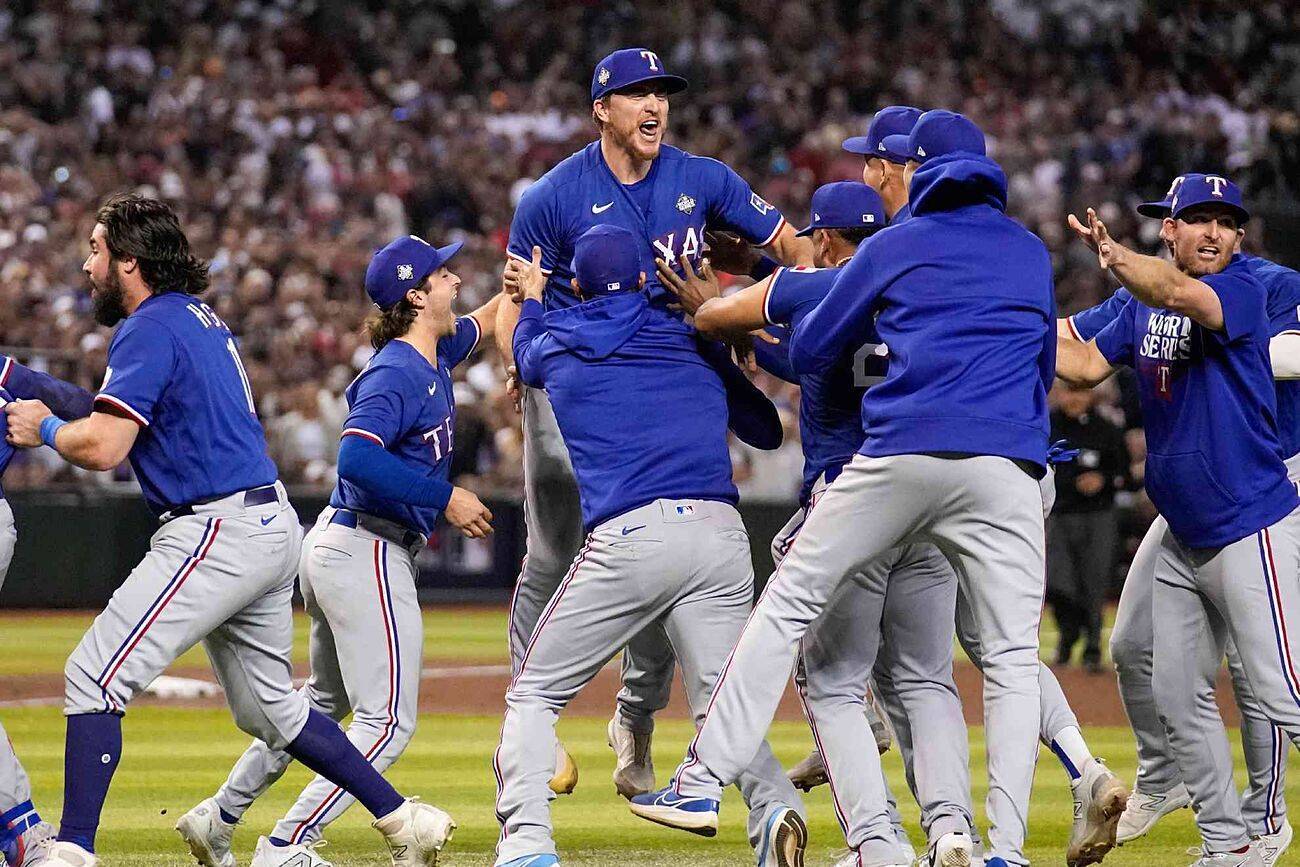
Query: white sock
(1072, 750)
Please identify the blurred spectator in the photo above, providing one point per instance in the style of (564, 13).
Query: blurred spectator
(295, 138)
(1082, 531)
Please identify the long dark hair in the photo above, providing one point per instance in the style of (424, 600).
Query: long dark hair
(149, 231)
(384, 326)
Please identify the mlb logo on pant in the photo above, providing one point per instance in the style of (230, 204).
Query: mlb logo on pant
(686, 510)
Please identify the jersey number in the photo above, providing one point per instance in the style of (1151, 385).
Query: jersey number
(440, 438)
(243, 377)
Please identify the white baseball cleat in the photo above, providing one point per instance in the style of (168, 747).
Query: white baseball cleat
(1144, 810)
(1271, 846)
(951, 850)
(60, 853)
(635, 772)
(565, 778)
(207, 835)
(1252, 857)
(850, 859)
(30, 847)
(415, 833)
(293, 855)
(1099, 802)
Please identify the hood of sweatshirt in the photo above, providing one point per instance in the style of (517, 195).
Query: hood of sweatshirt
(596, 329)
(957, 180)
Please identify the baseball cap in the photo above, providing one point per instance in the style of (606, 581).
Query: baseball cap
(629, 66)
(1208, 190)
(846, 205)
(607, 259)
(401, 266)
(890, 120)
(941, 132)
(1160, 209)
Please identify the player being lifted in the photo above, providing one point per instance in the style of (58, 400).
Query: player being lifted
(666, 198)
(357, 573)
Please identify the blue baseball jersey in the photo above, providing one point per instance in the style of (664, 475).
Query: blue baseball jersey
(830, 401)
(6, 451)
(174, 368)
(668, 211)
(406, 405)
(1283, 307)
(1214, 460)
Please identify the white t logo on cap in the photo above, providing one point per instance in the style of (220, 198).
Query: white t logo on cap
(1218, 183)
(1173, 188)
(652, 59)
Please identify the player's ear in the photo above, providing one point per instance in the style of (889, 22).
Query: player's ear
(600, 111)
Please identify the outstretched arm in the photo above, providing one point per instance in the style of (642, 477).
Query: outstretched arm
(64, 399)
(100, 441)
(1081, 364)
(789, 249)
(1152, 280)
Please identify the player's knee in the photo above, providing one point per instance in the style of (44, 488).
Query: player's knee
(1127, 651)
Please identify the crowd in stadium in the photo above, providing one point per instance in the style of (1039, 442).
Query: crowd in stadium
(295, 138)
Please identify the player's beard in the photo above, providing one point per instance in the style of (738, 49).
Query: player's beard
(108, 301)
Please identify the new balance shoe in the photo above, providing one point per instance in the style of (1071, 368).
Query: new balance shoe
(951, 850)
(415, 833)
(1145, 809)
(294, 855)
(1271, 846)
(207, 835)
(30, 847)
(1099, 802)
(666, 807)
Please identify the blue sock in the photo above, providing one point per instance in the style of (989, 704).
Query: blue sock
(277, 842)
(90, 756)
(322, 746)
(227, 818)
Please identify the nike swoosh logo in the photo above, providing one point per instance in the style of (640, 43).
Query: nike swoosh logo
(600, 209)
(268, 519)
(433, 388)
(627, 530)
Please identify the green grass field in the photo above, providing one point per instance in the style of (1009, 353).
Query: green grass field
(174, 757)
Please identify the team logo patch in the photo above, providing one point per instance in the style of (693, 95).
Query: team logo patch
(759, 204)
(603, 77)
(685, 203)
(405, 272)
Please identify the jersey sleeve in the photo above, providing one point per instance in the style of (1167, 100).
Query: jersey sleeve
(1115, 341)
(1087, 324)
(141, 361)
(535, 224)
(384, 406)
(64, 399)
(1284, 306)
(733, 205)
(791, 294)
(1242, 298)
(456, 347)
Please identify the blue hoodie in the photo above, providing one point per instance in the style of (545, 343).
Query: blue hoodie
(641, 402)
(962, 296)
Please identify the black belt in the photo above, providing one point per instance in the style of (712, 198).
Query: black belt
(253, 497)
(390, 530)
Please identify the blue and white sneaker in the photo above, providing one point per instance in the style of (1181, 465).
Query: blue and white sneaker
(533, 861)
(785, 837)
(995, 861)
(666, 807)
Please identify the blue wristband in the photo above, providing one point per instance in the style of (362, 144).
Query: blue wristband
(49, 427)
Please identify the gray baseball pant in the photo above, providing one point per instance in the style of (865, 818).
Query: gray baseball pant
(1247, 592)
(1263, 803)
(15, 788)
(366, 649)
(985, 514)
(683, 563)
(223, 576)
(901, 592)
(553, 519)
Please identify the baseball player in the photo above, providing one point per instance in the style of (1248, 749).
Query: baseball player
(357, 572)
(899, 592)
(1160, 790)
(644, 417)
(21, 827)
(666, 198)
(1197, 332)
(176, 401)
(957, 458)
